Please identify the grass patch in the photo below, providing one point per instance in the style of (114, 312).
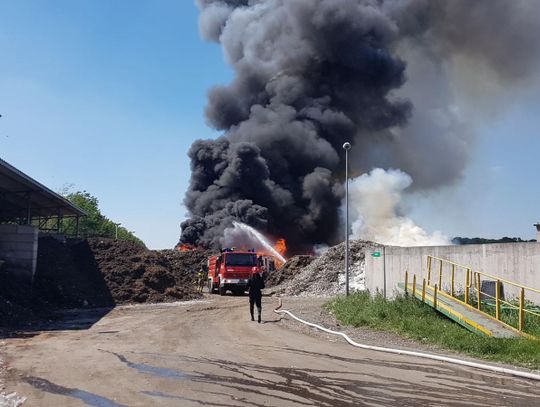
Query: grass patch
(410, 318)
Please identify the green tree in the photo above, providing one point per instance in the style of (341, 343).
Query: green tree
(479, 240)
(95, 224)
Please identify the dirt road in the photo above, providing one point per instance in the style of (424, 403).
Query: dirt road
(209, 354)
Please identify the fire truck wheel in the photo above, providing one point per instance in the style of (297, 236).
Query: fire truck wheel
(222, 290)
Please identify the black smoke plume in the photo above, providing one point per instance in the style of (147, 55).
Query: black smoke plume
(312, 74)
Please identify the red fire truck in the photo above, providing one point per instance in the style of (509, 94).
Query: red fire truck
(231, 270)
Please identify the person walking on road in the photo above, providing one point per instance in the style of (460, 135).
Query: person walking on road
(255, 285)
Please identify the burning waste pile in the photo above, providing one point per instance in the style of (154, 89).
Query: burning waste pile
(396, 79)
(304, 275)
(289, 270)
(324, 276)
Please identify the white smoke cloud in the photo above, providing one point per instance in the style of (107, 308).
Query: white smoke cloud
(242, 236)
(235, 236)
(320, 249)
(375, 210)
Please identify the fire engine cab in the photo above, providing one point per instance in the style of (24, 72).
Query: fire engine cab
(231, 270)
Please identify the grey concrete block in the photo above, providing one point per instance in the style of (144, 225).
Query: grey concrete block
(8, 228)
(17, 246)
(17, 238)
(22, 255)
(27, 229)
(20, 271)
(488, 290)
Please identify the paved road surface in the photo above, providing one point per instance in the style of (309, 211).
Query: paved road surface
(210, 354)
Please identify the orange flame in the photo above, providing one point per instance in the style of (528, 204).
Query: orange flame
(185, 247)
(281, 246)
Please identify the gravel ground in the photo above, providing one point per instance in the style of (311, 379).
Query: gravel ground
(2, 367)
(12, 399)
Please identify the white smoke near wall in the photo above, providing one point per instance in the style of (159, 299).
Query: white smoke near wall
(376, 212)
(320, 249)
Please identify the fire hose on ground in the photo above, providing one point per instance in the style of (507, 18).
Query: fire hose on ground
(496, 369)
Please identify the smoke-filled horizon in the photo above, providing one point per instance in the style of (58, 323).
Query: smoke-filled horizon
(377, 215)
(386, 75)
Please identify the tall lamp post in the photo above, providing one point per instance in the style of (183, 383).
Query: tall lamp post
(347, 147)
(116, 230)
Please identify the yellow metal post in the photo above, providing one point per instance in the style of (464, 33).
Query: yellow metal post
(424, 291)
(429, 270)
(406, 280)
(522, 309)
(453, 289)
(467, 284)
(435, 297)
(497, 300)
(440, 274)
(479, 305)
(414, 285)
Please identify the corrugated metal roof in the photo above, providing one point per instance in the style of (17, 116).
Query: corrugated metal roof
(21, 194)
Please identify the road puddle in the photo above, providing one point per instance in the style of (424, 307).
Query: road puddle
(153, 370)
(90, 399)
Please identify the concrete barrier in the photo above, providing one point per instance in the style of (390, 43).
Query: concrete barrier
(518, 262)
(18, 249)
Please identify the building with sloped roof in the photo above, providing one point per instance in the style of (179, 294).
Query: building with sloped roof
(27, 208)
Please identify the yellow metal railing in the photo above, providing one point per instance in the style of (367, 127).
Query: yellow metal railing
(446, 276)
(435, 289)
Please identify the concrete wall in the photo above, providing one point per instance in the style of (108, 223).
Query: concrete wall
(18, 248)
(519, 262)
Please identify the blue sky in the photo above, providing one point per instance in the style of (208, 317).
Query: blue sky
(109, 95)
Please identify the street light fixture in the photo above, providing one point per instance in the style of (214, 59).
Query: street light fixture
(347, 147)
(116, 230)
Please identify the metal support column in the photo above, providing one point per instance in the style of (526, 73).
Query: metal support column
(347, 147)
(29, 209)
